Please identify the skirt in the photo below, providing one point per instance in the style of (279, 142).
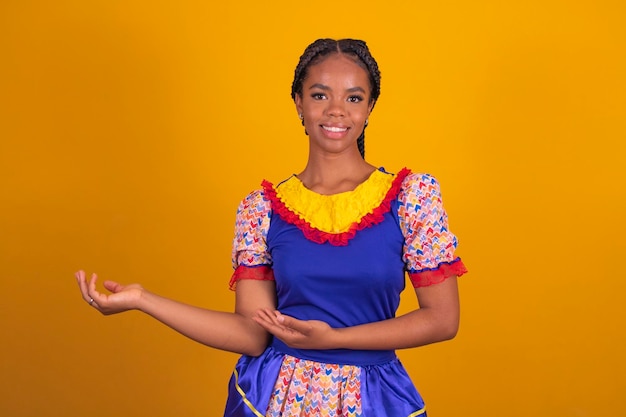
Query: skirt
(276, 384)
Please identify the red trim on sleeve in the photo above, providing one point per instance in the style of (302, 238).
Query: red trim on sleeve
(435, 276)
(259, 273)
(336, 239)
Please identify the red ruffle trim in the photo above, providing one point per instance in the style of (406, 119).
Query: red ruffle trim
(259, 273)
(335, 239)
(435, 276)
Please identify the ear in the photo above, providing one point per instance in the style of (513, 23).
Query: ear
(298, 101)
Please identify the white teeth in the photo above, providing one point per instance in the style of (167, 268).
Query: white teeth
(335, 129)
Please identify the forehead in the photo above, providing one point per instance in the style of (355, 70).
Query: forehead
(337, 69)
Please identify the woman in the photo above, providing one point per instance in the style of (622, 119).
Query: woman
(320, 261)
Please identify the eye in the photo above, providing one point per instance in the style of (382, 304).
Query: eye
(355, 99)
(318, 96)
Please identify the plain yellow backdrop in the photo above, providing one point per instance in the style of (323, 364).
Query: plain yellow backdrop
(130, 130)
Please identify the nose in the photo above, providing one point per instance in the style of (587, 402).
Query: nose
(336, 108)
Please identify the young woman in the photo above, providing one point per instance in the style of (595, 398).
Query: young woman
(320, 261)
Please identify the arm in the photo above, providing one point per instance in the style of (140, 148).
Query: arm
(436, 320)
(235, 332)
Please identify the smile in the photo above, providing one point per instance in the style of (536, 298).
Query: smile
(334, 129)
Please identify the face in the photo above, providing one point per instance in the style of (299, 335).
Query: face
(335, 103)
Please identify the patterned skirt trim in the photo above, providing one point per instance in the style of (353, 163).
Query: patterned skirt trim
(285, 386)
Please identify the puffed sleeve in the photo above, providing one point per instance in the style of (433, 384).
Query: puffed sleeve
(429, 246)
(250, 256)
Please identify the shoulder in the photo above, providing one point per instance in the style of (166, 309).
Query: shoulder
(255, 196)
(419, 186)
(255, 201)
(261, 198)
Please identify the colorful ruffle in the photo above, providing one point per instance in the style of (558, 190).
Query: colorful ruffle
(257, 273)
(337, 218)
(429, 246)
(437, 275)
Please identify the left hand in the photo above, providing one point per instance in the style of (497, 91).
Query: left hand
(300, 334)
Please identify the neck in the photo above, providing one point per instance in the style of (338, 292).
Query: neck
(332, 175)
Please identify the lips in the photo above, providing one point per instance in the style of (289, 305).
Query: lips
(334, 129)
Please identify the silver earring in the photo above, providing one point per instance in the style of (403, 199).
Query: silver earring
(366, 122)
(300, 116)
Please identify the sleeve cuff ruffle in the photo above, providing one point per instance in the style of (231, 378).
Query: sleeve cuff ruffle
(444, 270)
(259, 273)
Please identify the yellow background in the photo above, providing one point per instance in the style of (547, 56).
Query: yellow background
(129, 131)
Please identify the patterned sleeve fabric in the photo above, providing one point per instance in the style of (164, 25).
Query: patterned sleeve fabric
(429, 245)
(250, 257)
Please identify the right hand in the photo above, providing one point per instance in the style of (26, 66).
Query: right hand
(122, 297)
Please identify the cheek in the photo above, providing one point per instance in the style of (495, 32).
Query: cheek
(313, 110)
(362, 114)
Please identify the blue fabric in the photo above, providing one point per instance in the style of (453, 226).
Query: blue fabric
(254, 376)
(343, 286)
(386, 389)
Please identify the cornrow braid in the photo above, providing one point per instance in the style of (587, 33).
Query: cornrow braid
(357, 49)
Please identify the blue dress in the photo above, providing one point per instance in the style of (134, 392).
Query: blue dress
(345, 271)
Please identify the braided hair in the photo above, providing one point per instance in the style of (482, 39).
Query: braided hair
(357, 50)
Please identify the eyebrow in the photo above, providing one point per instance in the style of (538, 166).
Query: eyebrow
(327, 88)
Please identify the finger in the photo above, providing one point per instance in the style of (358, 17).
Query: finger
(93, 292)
(113, 286)
(267, 326)
(82, 285)
(79, 274)
(283, 333)
(267, 320)
(293, 323)
(279, 317)
(264, 318)
(268, 315)
(262, 314)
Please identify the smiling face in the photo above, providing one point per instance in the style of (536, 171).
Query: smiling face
(335, 102)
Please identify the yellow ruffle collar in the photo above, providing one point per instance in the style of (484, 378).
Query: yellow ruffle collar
(336, 213)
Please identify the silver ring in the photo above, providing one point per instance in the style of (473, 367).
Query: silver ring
(90, 301)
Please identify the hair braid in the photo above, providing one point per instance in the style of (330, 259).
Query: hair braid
(321, 48)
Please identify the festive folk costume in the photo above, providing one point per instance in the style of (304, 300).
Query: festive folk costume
(340, 259)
